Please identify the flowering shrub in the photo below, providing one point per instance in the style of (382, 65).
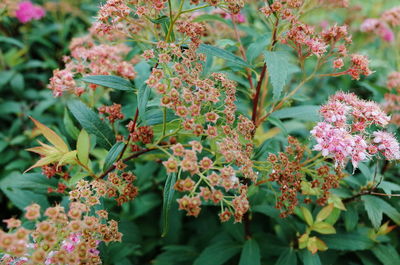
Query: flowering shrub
(155, 101)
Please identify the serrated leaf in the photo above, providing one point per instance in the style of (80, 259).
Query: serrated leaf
(218, 253)
(167, 200)
(92, 123)
(287, 257)
(376, 206)
(83, 147)
(51, 136)
(325, 212)
(323, 228)
(278, 71)
(250, 253)
(113, 154)
(217, 52)
(257, 47)
(111, 81)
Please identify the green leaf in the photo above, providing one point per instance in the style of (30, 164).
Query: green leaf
(257, 47)
(350, 217)
(18, 82)
(110, 81)
(25, 189)
(5, 77)
(278, 70)
(278, 123)
(173, 255)
(308, 258)
(323, 228)
(113, 154)
(92, 123)
(250, 253)
(168, 198)
(69, 126)
(143, 73)
(305, 113)
(12, 41)
(218, 253)
(287, 257)
(83, 146)
(228, 56)
(347, 241)
(376, 206)
(387, 254)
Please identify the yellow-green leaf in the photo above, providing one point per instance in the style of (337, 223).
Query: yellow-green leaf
(312, 245)
(307, 216)
(323, 228)
(51, 136)
(321, 245)
(68, 158)
(83, 146)
(325, 212)
(303, 241)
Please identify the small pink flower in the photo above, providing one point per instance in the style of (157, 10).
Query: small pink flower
(27, 11)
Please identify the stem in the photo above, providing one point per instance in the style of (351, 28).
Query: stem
(173, 20)
(129, 137)
(164, 121)
(257, 96)
(242, 52)
(86, 168)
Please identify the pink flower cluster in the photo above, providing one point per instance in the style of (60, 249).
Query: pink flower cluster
(90, 58)
(27, 11)
(392, 16)
(343, 135)
(393, 81)
(379, 28)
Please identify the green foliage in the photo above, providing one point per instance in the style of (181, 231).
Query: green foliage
(92, 124)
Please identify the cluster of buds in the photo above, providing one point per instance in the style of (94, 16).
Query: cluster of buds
(306, 41)
(142, 134)
(284, 9)
(392, 99)
(343, 134)
(291, 171)
(62, 237)
(118, 186)
(217, 182)
(89, 58)
(112, 112)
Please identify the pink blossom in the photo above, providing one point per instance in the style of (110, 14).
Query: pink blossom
(343, 135)
(387, 144)
(27, 11)
(378, 27)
